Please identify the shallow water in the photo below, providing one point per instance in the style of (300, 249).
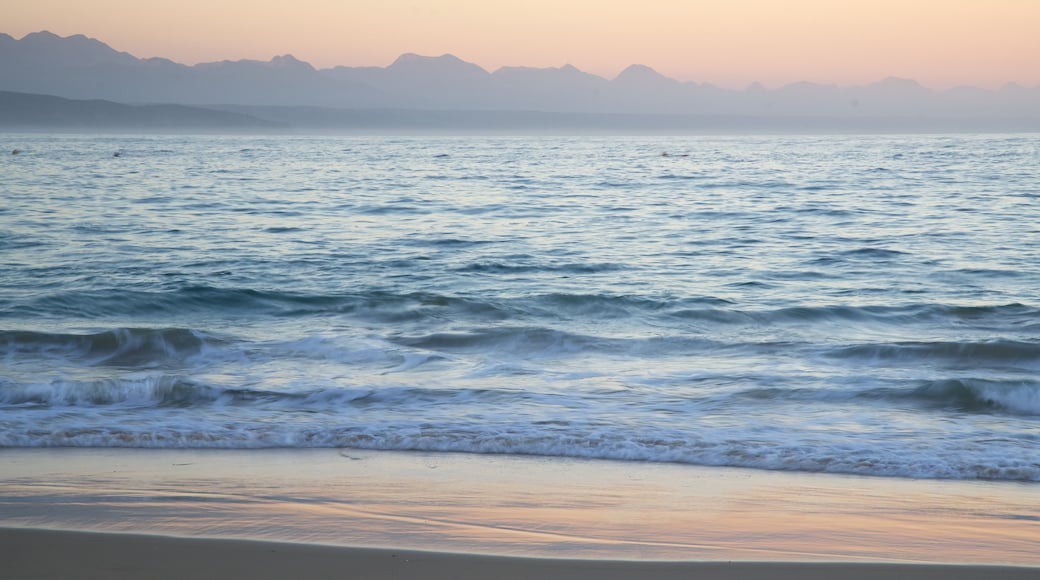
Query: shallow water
(866, 305)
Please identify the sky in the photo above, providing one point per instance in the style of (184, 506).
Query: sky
(729, 43)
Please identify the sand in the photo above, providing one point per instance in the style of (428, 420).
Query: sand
(40, 554)
(359, 514)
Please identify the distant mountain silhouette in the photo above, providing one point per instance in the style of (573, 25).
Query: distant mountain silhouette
(549, 89)
(78, 67)
(43, 48)
(30, 111)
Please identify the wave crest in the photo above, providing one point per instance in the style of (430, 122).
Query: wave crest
(121, 347)
(144, 392)
(1019, 397)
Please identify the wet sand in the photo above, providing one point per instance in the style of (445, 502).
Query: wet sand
(46, 555)
(344, 513)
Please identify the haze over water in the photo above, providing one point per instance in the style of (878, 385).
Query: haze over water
(863, 305)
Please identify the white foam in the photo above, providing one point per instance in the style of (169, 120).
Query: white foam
(1022, 398)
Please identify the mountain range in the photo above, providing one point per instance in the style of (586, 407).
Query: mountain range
(78, 67)
(26, 111)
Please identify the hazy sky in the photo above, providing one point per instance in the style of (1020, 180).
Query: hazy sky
(940, 43)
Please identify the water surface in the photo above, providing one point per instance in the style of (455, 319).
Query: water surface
(863, 305)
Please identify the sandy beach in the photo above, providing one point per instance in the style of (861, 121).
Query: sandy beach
(42, 555)
(346, 513)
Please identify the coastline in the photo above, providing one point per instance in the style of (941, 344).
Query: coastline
(31, 554)
(352, 504)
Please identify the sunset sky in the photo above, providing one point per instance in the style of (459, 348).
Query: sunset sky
(731, 43)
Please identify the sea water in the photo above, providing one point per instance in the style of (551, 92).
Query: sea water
(848, 304)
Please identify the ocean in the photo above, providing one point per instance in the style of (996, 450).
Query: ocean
(863, 305)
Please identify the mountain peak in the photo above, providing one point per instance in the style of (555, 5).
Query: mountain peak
(411, 62)
(46, 37)
(290, 61)
(410, 58)
(640, 73)
(76, 49)
(43, 35)
(639, 69)
(899, 83)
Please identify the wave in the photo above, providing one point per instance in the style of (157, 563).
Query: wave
(502, 267)
(963, 354)
(1008, 460)
(967, 395)
(1012, 316)
(242, 303)
(10, 242)
(963, 394)
(549, 326)
(515, 340)
(167, 410)
(870, 253)
(1017, 397)
(145, 392)
(122, 347)
(393, 307)
(164, 390)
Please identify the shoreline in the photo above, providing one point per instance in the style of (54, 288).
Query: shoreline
(30, 553)
(517, 507)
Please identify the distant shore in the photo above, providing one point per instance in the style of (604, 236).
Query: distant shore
(27, 112)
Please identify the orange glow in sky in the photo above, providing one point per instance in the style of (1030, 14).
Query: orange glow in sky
(940, 43)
